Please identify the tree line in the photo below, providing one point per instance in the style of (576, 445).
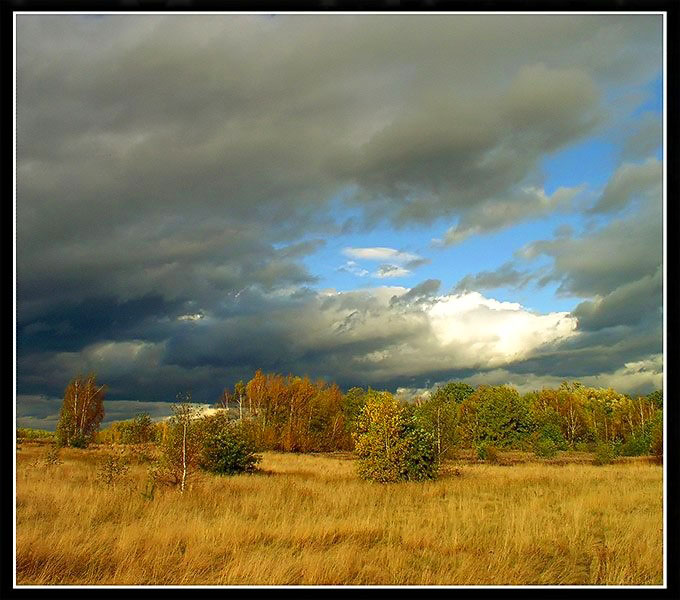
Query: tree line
(296, 414)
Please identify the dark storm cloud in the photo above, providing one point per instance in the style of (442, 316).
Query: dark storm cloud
(594, 353)
(449, 155)
(37, 412)
(242, 118)
(631, 304)
(173, 172)
(72, 326)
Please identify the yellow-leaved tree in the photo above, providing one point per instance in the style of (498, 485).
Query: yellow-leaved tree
(82, 411)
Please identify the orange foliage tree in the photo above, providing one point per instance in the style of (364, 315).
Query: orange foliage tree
(82, 411)
(296, 414)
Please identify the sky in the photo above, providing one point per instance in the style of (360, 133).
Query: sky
(387, 200)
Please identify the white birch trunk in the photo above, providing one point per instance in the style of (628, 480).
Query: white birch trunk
(184, 456)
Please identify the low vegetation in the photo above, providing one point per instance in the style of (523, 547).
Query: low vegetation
(24, 433)
(209, 498)
(308, 519)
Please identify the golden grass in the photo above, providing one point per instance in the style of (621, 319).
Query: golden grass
(307, 519)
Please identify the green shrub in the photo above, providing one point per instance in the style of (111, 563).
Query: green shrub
(617, 446)
(551, 431)
(545, 447)
(140, 430)
(604, 453)
(391, 447)
(493, 454)
(380, 444)
(636, 446)
(78, 441)
(227, 449)
(583, 447)
(421, 458)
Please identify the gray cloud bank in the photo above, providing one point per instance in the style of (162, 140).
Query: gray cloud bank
(618, 266)
(185, 165)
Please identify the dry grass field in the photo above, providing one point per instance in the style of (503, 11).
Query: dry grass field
(308, 519)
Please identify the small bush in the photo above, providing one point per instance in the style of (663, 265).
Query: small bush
(149, 490)
(636, 446)
(78, 441)
(617, 446)
(182, 443)
(227, 449)
(604, 453)
(391, 446)
(140, 430)
(545, 447)
(493, 455)
(421, 455)
(112, 469)
(153, 476)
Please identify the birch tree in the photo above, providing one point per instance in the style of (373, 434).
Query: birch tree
(240, 395)
(82, 411)
(439, 416)
(182, 445)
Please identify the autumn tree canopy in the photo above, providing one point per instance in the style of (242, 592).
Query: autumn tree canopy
(82, 411)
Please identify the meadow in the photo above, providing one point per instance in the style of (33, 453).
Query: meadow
(307, 519)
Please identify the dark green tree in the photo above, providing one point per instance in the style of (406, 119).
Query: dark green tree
(139, 430)
(352, 404)
(495, 415)
(455, 391)
(227, 448)
(438, 415)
